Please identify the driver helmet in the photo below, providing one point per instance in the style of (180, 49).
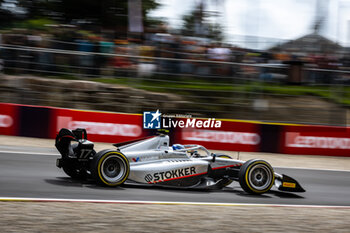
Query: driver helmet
(178, 147)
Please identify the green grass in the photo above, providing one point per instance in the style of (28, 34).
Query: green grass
(164, 86)
(339, 95)
(187, 86)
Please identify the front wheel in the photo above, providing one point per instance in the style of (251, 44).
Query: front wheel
(256, 176)
(110, 168)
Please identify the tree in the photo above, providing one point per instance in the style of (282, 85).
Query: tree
(6, 16)
(197, 24)
(106, 13)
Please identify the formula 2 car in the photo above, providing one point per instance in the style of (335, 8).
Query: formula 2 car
(153, 161)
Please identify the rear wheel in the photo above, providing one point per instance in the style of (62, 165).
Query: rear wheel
(110, 168)
(256, 176)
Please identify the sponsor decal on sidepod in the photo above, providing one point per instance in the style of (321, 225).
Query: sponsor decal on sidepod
(161, 176)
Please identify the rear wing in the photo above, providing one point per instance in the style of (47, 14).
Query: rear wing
(75, 135)
(64, 138)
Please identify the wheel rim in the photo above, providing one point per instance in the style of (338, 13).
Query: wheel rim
(113, 169)
(260, 177)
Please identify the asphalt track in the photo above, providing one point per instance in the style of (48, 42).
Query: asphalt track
(31, 173)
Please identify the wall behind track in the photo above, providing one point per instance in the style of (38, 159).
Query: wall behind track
(234, 135)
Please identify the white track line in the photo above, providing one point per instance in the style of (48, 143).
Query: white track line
(24, 199)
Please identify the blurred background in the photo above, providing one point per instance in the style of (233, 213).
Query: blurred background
(285, 61)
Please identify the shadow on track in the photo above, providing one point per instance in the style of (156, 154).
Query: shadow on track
(281, 194)
(91, 184)
(68, 182)
(88, 183)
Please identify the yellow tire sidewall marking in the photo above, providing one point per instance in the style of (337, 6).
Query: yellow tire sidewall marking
(247, 172)
(99, 168)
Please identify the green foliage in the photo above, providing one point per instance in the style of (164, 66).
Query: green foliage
(5, 18)
(35, 24)
(215, 32)
(108, 13)
(187, 85)
(196, 24)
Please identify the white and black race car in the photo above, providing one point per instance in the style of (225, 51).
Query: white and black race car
(153, 161)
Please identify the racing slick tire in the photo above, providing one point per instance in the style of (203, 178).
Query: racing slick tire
(256, 176)
(225, 157)
(110, 167)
